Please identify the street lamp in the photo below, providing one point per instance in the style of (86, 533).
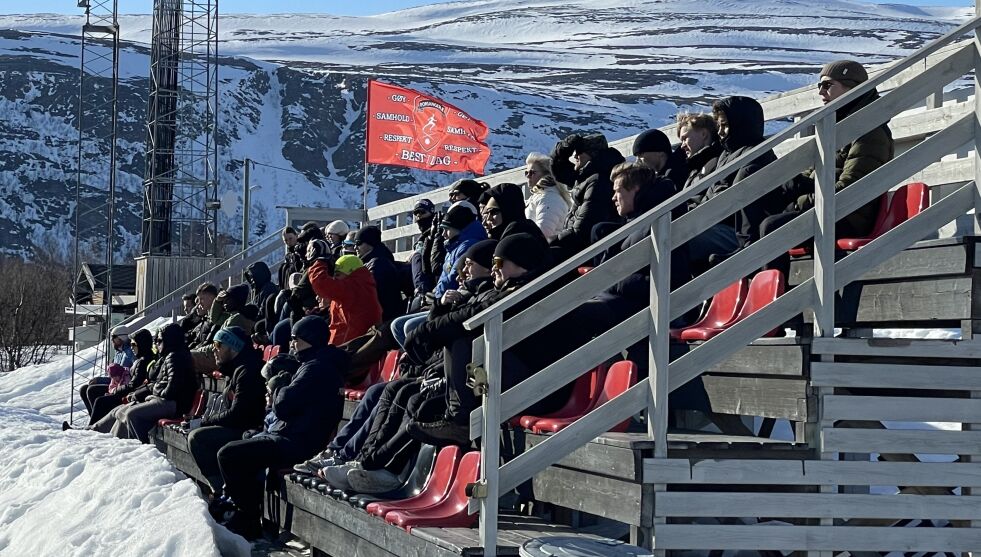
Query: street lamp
(247, 204)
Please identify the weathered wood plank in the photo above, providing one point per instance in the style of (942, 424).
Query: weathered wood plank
(333, 539)
(811, 472)
(902, 441)
(581, 491)
(895, 376)
(899, 348)
(599, 459)
(819, 538)
(911, 409)
(816, 505)
(940, 299)
(757, 396)
(764, 359)
(910, 263)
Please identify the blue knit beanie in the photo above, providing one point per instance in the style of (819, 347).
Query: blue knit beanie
(232, 337)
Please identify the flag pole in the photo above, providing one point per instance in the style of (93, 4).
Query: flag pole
(367, 116)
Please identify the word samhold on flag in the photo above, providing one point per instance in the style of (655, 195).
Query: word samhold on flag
(406, 128)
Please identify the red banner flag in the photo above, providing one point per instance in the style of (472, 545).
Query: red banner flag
(407, 128)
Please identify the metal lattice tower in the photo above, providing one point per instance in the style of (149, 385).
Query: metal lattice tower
(96, 183)
(180, 186)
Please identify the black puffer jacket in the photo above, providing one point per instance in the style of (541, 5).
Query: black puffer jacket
(309, 408)
(381, 263)
(176, 379)
(592, 194)
(745, 117)
(247, 391)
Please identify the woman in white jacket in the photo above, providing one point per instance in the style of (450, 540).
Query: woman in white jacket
(549, 200)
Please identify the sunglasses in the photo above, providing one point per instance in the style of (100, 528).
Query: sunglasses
(493, 211)
(530, 172)
(454, 195)
(825, 85)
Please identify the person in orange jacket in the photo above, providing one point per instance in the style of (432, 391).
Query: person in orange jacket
(354, 306)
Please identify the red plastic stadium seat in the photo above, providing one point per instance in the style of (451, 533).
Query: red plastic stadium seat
(269, 352)
(198, 404)
(895, 208)
(620, 377)
(436, 489)
(722, 310)
(216, 374)
(584, 269)
(451, 511)
(390, 368)
(765, 287)
(584, 393)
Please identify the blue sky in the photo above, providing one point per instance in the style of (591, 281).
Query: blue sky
(338, 7)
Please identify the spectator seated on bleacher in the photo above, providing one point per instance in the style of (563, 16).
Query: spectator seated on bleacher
(292, 263)
(378, 259)
(351, 290)
(190, 317)
(241, 406)
(307, 406)
(123, 356)
(466, 190)
(427, 256)
(169, 395)
(517, 260)
(504, 214)
(653, 149)
(591, 190)
(334, 234)
(853, 161)
(259, 279)
(204, 331)
(548, 201)
(228, 310)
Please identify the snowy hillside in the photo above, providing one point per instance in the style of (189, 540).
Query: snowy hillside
(292, 88)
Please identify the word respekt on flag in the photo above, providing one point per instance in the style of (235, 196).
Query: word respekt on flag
(408, 128)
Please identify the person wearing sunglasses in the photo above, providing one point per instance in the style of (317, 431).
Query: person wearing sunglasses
(548, 200)
(308, 408)
(504, 214)
(428, 254)
(853, 160)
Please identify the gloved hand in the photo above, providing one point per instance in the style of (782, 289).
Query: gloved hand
(317, 249)
(279, 381)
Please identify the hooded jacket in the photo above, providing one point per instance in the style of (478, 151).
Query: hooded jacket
(309, 408)
(455, 248)
(139, 373)
(260, 278)
(510, 200)
(381, 263)
(853, 161)
(547, 208)
(354, 306)
(745, 117)
(676, 169)
(592, 194)
(175, 376)
(246, 391)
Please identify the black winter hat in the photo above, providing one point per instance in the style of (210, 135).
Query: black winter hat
(592, 144)
(309, 233)
(510, 200)
(651, 141)
(482, 253)
(278, 363)
(370, 235)
(469, 188)
(458, 217)
(524, 250)
(312, 329)
(847, 72)
(235, 297)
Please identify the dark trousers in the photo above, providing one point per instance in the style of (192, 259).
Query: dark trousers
(103, 405)
(243, 463)
(93, 390)
(204, 444)
(349, 440)
(387, 432)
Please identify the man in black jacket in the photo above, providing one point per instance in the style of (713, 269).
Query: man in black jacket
(243, 402)
(504, 214)
(260, 280)
(380, 261)
(591, 189)
(171, 394)
(653, 149)
(307, 406)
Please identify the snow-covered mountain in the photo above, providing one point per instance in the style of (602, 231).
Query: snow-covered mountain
(292, 88)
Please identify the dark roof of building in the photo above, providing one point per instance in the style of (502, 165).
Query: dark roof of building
(123, 277)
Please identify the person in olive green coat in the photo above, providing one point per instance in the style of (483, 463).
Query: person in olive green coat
(853, 161)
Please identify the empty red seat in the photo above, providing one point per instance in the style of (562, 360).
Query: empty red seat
(722, 310)
(620, 377)
(451, 511)
(584, 393)
(895, 208)
(436, 489)
(765, 287)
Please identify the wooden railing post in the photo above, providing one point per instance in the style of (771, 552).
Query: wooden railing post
(977, 123)
(490, 440)
(824, 229)
(658, 349)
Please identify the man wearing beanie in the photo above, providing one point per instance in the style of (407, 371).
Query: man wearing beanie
(241, 407)
(466, 190)
(99, 386)
(853, 161)
(307, 406)
(517, 260)
(378, 259)
(428, 254)
(334, 233)
(653, 149)
(590, 187)
(353, 297)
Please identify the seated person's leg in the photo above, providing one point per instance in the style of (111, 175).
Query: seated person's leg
(204, 443)
(399, 326)
(103, 405)
(771, 223)
(385, 430)
(720, 239)
(141, 418)
(108, 422)
(365, 408)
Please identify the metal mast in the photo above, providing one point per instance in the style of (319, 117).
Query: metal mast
(180, 186)
(95, 185)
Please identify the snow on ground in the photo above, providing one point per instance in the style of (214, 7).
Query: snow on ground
(84, 493)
